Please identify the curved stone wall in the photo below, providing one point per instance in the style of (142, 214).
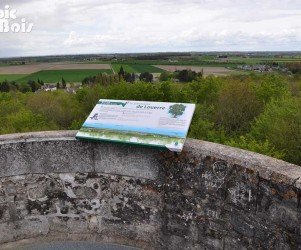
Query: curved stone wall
(53, 188)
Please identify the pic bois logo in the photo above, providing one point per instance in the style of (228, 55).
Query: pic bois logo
(9, 21)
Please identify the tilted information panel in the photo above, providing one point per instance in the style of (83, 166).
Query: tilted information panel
(161, 124)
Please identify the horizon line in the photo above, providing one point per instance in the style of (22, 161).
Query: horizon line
(156, 52)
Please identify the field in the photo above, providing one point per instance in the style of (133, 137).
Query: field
(77, 72)
(207, 70)
(76, 69)
(70, 75)
(11, 77)
(127, 68)
(71, 72)
(137, 68)
(32, 68)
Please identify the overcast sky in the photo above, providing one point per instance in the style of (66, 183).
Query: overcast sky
(117, 26)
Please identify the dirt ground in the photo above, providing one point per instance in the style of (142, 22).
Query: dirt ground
(219, 71)
(32, 68)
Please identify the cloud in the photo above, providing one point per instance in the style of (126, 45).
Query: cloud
(103, 26)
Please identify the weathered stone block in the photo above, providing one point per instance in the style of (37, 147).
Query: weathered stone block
(27, 228)
(126, 160)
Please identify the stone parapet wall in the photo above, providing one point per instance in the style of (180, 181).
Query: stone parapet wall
(53, 187)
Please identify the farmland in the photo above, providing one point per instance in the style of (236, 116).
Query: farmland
(206, 70)
(70, 75)
(11, 77)
(76, 72)
(127, 68)
(35, 67)
(137, 68)
(230, 61)
(52, 72)
(71, 72)
(76, 68)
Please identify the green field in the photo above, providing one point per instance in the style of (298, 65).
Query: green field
(136, 68)
(146, 68)
(126, 67)
(11, 77)
(70, 75)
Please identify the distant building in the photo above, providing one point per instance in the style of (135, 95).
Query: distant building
(256, 68)
(48, 87)
(222, 58)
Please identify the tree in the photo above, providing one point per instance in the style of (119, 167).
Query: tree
(25, 120)
(206, 90)
(25, 87)
(63, 83)
(89, 80)
(280, 124)
(236, 107)
(270, 86)
(128, 77)
(177, 110)
(13, 86)
(187, 75)
(203, 129)
(33, 85)
(294, 67)
(164, 76)
(121, 72)
(133, 77)
(146, 77)
(166, 91)
(4, 86)
(59, 107)
(260, 146)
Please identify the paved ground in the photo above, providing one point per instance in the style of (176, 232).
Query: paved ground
(67, 245)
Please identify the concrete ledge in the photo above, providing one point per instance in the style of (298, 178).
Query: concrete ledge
(34, 153)
(60, 152)
(266, 167)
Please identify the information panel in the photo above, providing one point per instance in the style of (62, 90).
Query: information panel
(161, 124)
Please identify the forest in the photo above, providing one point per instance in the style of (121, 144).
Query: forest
(257, 112)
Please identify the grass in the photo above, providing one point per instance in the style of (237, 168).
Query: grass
(11, 77)
(136, 68)
(146, 68)
(70, 75)
(126, 67)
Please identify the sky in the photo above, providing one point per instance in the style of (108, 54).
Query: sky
(128, 26)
